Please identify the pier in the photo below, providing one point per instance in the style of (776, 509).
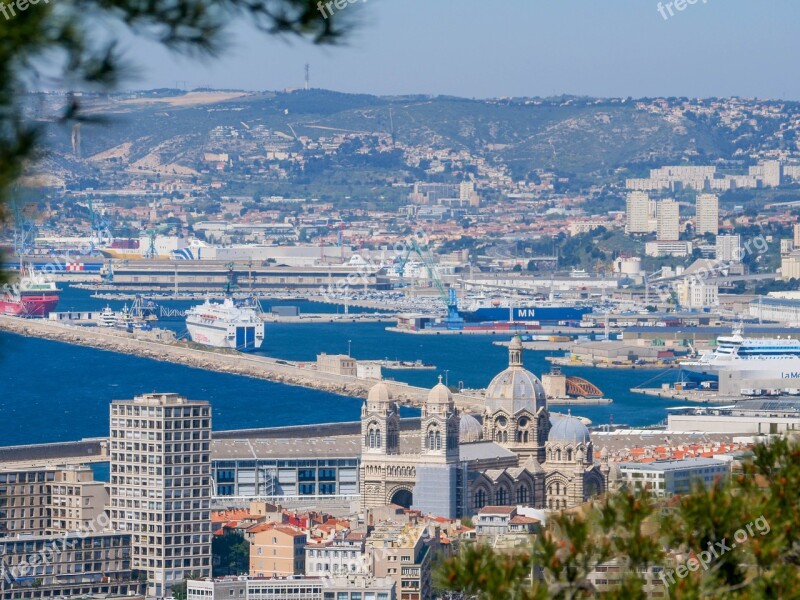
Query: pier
(146, 345)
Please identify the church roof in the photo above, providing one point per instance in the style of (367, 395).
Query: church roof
(567, 429)
(440, 394)
(469, 429)
(515, 389)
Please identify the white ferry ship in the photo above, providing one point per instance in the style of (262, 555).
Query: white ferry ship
(225, 325)
(756, 358)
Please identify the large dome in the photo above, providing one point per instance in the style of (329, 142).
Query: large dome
(568, 430)
(515, 389)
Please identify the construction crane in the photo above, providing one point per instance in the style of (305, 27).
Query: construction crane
(24, 231)
(448, 297)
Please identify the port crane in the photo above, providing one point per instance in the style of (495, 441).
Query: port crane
(24, 231)
(448, 296)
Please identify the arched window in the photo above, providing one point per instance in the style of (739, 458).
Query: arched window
(438, 437)
(505, 436)
(371, 438)
(525, 437)
(480, 498)
(519, 436)
(569, 454)
(558, 454)
(499, 436)
(378, 438)
(500, 496)
(431, 439)
(522, 495)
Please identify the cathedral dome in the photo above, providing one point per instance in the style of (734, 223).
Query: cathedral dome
(515, 389)
(440, 394)
(469, 429)
(568, 430)
(379, 394)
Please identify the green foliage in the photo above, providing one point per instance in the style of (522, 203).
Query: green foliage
(736, 539)
(231, 555)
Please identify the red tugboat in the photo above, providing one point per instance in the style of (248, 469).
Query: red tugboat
(33, 296)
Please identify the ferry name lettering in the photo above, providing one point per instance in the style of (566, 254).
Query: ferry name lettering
(792, 375)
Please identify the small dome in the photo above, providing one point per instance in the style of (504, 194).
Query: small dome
(516, 343)
(440, 394)
(604, 453)
(379, 394)
(469, 429)
(568, 430)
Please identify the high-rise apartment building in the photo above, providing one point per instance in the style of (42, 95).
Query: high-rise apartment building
(707, 214)
(639, 213)
(160, 489)
(796, 235)
(668, 221)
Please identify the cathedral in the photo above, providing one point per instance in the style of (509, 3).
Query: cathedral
(454, 465)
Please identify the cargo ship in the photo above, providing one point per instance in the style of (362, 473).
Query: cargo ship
(225, 325)
(32, 296)
(503, 310)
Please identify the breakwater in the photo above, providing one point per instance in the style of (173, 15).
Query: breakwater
(147, 345)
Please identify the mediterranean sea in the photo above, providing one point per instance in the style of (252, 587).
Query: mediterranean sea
(50, 391)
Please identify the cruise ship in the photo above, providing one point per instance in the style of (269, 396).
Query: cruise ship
(753, 358)
(225, 325)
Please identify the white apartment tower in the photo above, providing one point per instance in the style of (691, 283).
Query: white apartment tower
(729, 248)
(668, 221)
(160, 489)
(639, 213)
(707, 215)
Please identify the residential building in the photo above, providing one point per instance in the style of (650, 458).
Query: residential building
(790, 266)
(404, 553)
(668, 227)
(276, 550)
(77, 501)
(160, 489)
(342, 555)
(696, 294)
(729, 248)
(796, 230)
(65, 565)
(664, 478)
(25, 500)
(502, 520)
(707, 214)
(353, 587)
(661, 248)
(639, 213)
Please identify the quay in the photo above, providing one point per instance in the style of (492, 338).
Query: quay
(147, 345)
(699, 396)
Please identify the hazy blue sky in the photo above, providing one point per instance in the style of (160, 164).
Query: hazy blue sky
(519, 47)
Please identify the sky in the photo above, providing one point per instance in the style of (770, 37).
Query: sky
(498, 48)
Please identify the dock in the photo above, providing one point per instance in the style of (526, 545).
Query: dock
(699, 396)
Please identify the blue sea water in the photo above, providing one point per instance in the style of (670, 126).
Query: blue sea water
(50, 391)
